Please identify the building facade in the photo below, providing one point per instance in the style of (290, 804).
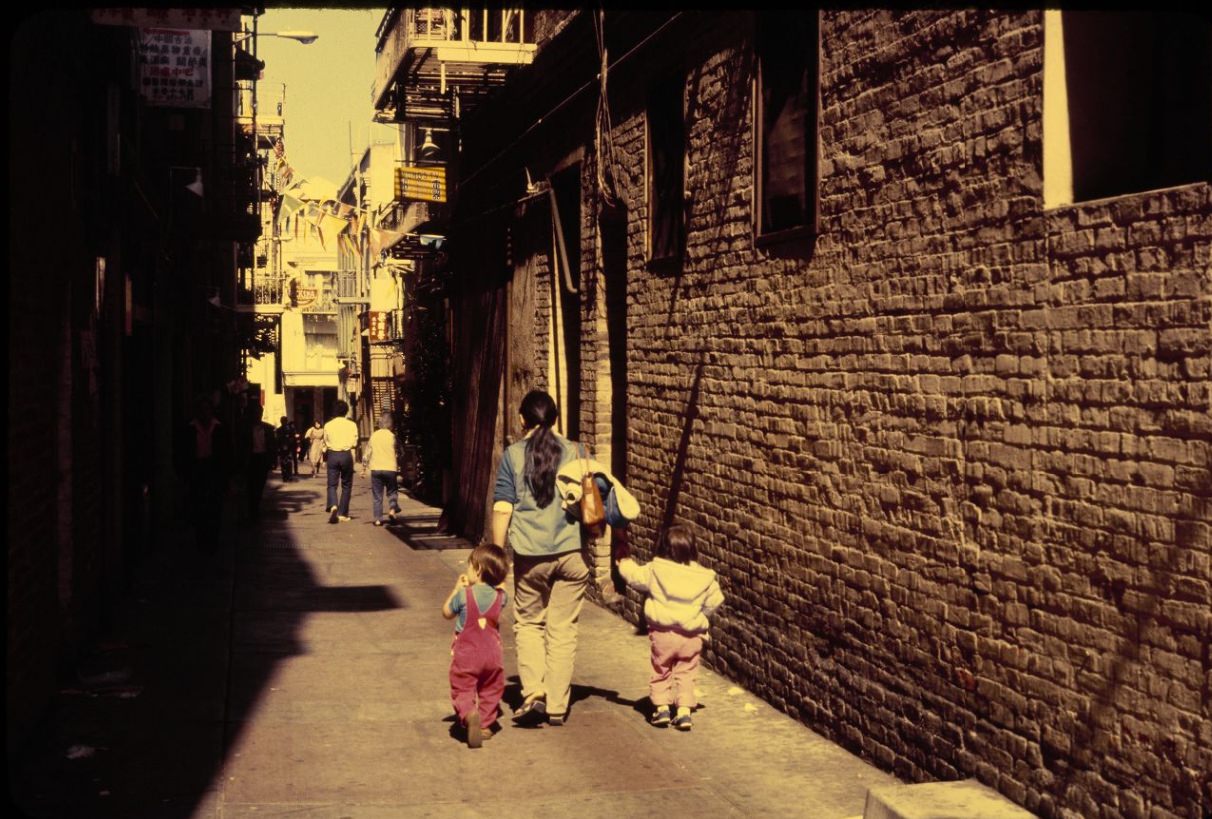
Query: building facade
(121, 306)
(911, 327)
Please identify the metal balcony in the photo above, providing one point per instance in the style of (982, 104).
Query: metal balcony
(263, 296)
(430, 57)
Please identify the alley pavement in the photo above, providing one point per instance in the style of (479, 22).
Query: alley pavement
(302, 671)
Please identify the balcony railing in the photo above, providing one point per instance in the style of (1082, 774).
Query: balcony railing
(263, 292)
(437, 49)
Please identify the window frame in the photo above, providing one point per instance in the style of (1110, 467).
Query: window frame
(812, 176)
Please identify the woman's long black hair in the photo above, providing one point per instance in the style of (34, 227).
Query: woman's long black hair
(543, 451)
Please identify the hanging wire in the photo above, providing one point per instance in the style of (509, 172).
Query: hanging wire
(603, 138)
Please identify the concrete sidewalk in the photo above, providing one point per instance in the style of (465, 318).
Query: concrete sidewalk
(303, 671)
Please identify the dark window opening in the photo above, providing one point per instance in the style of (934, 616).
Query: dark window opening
(1139, 86)
(787, 46)
(666, 155)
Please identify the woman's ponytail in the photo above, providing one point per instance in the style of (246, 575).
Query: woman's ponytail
(543, 451)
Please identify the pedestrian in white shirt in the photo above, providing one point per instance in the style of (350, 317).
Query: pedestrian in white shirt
(380, 459)
(340, 437)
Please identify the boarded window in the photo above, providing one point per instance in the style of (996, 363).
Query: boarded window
(666, 155)
(787, 44)
(1139, 88)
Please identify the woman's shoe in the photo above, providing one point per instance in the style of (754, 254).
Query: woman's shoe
(378, 523)
(661, 717)
(531, 713)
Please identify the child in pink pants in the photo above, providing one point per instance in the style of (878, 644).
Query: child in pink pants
(476, 667)
(681, 596)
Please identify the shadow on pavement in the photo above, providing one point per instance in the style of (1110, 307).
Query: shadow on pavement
(143, 725)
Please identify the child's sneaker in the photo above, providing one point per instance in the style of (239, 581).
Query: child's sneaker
(682, 721)
(475, 736)
(661, 717)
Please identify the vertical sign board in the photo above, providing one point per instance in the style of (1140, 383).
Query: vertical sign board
(378, 327)
(174, 67)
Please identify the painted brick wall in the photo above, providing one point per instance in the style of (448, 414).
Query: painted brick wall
(952, 463)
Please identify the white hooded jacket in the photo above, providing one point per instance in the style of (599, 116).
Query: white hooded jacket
(680, 595)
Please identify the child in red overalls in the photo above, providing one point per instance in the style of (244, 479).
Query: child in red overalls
(476, 664)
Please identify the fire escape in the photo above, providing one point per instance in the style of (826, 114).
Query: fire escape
(433, 66)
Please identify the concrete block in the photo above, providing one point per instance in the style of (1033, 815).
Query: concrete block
(966, 799)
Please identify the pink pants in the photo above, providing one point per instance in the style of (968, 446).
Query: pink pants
(675, 666)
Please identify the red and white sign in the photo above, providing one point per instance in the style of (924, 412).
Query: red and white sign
(203, 19)
(174, 67)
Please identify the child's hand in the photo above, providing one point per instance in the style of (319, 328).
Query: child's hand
(463, 580)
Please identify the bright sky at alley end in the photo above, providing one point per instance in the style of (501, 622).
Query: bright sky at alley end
(327, 85)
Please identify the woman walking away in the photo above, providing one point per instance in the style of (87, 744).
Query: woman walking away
(315, 447)
(380, 459)
(550, 569)
(681, 595)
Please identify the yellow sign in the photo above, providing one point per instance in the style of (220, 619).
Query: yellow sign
(425, 184)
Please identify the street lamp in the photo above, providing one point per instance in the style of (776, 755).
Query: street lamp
(304, 37)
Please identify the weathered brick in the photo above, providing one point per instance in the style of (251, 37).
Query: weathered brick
(975, 392)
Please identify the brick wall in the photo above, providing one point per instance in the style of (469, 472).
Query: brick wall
(952, 461)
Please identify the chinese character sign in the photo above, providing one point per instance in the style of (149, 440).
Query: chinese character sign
(378, 327)
(174, 67)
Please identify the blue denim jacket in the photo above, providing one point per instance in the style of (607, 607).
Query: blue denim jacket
(534, 531)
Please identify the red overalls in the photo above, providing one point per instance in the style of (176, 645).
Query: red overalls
(476, 665)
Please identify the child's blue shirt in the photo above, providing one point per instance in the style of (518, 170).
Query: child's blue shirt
(485, 595)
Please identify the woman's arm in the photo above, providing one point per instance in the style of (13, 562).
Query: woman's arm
(504, 496)
(502, 513)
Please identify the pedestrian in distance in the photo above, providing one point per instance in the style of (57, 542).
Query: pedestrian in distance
(202, 456)
(315, 447)
(477, 668)
(681, 595)
(287, 443)
(340, 438)
(257, 445)
(380, 460)
(551, 570)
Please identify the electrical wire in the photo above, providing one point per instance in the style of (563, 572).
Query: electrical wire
(467, 179)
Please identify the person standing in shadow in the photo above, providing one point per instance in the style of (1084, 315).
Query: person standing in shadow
(203, 459)
(288, 443)
(258, 449)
